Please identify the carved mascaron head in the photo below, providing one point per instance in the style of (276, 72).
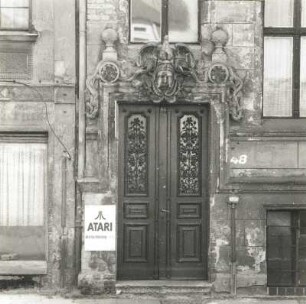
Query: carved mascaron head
(164, 77)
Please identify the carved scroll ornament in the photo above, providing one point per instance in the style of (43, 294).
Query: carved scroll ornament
(220, 73)
(107, 72)
(164, 72)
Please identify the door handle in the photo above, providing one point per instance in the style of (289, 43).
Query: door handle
(164, 210)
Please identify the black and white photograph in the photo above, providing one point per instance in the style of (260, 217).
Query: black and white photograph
(153, 151)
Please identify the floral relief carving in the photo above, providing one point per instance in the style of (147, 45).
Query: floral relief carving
(136, 158)
(189, 156)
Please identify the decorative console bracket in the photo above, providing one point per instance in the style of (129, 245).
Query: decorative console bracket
(163, 72)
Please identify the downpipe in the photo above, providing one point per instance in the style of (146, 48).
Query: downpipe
(82, 87)
(81, 9)
(64, 235)
(232, 202)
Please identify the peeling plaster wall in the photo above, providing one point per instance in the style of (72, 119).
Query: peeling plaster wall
(250, 242)
(50, 95)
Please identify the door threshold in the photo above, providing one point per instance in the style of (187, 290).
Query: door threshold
(164, 288)
(166, 283)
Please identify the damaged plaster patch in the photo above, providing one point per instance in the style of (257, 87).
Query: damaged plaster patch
(259, 256)
(220, 253)
(98, 198)
(250, 119)
(219, 243)
(243, 268)
(59, 68)
(212, 201)
(60, 71)
(227, 144)
(253, 236)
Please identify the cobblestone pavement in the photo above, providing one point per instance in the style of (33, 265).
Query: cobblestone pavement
(11, 298)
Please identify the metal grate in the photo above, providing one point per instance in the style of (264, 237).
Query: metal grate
(286, 291)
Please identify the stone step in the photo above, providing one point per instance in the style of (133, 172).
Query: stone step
(163, 287)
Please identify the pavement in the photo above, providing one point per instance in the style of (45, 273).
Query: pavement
(11, 298)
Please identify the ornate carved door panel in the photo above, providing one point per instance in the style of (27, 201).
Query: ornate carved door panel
(162, 192)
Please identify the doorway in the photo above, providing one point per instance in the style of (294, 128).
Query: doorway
(163, 191)
(286, 249)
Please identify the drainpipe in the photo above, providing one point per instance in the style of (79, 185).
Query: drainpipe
(232, 202)
(82, 87)
(64, 236)
(81, 144)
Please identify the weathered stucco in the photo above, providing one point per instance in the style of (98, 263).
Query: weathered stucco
(243, 162)
(48, 96)
(259, 160)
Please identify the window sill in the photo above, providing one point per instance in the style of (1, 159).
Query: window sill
(18, 36)
(23, 267)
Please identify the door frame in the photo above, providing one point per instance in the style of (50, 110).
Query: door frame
(161, 261)
(218, 134)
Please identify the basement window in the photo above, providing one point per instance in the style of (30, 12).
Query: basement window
(286, 249)
(152, 20)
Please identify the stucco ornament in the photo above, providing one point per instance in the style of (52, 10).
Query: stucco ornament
(164, 72)
(107, 72)
(219, 72)
(163, 69)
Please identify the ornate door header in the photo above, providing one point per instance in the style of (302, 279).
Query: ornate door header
(166, 73)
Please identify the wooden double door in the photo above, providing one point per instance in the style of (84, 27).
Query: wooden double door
(163, 212)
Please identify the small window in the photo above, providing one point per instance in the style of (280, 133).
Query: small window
(14, 14)
(151, 20)
(23, 172)
(284, 58)
(286, 248)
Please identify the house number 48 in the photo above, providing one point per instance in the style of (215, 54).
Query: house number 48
(241, 160)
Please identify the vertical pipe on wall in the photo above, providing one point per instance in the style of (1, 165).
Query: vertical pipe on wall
(233, 201)
(64, 235)
(81, 144)
(82, 87)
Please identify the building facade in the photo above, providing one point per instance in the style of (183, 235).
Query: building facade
(163, 110)
(38, 83)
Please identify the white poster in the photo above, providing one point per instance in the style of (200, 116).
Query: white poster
(100, 228)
